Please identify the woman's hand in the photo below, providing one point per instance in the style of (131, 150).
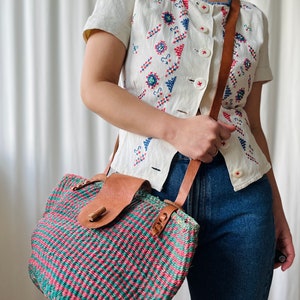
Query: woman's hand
(284, 241)
(199, 137)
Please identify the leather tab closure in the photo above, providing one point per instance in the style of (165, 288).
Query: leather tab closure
(116, 194)
(163, 218)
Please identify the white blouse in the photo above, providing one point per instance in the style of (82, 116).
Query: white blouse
(174, 50)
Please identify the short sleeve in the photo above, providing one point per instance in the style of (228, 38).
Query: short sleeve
(112, 16)
(263, 70)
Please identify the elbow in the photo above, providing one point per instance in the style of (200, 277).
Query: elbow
(94, 93)
(87, 96)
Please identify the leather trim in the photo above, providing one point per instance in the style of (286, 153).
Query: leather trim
(162, 219)
(116, 194)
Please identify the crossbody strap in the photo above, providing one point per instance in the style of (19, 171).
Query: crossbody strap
(194, 165)
(226, 62)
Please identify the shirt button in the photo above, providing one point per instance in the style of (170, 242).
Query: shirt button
(203, 7)
(199, 83)
(225, 145)
(237, 174)
(203, 29)
(204, 52)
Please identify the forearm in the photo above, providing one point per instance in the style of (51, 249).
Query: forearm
(123, 110)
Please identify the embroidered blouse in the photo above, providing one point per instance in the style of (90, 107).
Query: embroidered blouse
(174, 50)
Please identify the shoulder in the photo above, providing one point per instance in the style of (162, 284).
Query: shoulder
(113, 16)
(252, 12)
(251, 8)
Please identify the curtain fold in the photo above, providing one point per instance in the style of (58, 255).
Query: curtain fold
(45, 130)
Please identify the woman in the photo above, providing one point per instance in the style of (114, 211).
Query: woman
(168, 52)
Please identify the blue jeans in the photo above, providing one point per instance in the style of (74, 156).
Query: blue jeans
(235, 255)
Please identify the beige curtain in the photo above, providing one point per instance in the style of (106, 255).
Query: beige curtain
(45, 130)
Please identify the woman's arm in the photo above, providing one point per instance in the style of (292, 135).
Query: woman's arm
(198, 137)
(283, 235)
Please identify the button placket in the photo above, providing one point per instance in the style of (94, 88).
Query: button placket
(203, 28)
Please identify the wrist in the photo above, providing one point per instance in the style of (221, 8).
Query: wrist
(169, 128)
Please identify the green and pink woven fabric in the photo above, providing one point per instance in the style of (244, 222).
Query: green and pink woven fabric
(119, 261)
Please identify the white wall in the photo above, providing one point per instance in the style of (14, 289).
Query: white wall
(45, 131)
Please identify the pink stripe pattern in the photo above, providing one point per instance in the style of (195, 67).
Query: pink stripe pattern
(119, 261)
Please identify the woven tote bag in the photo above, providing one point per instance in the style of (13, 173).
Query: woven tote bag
(121, 260)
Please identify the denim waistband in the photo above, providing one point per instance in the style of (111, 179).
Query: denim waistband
(180, 157)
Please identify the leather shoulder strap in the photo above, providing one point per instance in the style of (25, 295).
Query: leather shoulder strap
(226, 62)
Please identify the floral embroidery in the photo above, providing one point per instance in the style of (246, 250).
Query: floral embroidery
(161, 47)
(169, 55)
(159, 72)
(247, 64)
(168, 18)
(152, 80)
